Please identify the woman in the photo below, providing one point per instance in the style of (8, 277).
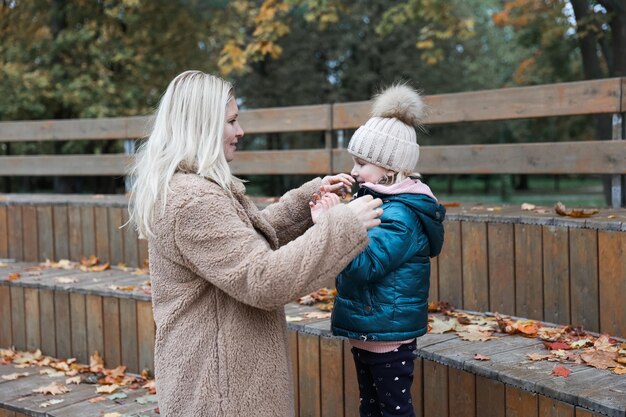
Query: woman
(221, 269)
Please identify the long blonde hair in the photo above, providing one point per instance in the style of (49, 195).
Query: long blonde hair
(187, 133)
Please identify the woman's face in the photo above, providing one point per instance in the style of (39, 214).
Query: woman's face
(232, 130)
(364, 171)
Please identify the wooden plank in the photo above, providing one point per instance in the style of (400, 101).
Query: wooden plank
(563, 99)
(131, 252)
(61, 232)
(112, 343)
(331, 376)
(309, 375)
(549, 407)
(293, 348)
(435, 389)
(556, 279)
(490, 398)
(59, 165)
(29, 233)
(585, 302)
(128, 330)
(75, 235)
(102, 234)
(116, 240)
(303, 161)
(520, 403)
(18, 319)
(143, 253)
(612, 274)
(609, 157)
(45, 228)
(433, 292)
(95, 324)
(78, 312)
(450, 266)
(62, 323)
(4, 233)
(145, 335)
(6, 332)
(417, 389)
(528, 271)
(279, 119)
(88, 230)
(500, 237)
(6, 413)
(351, 385)
(475, 266)
(462, 393)
(47, 319)
(14, 226)
(84, 129)
(581, 412)
(286, 119)
(32, 322)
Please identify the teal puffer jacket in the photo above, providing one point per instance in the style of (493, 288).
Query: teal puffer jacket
(382, 295)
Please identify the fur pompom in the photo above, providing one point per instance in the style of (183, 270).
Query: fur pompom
(402, 102)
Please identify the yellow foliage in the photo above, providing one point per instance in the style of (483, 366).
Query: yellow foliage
(425, 44)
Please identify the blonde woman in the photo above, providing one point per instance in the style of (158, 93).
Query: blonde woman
(222, 270)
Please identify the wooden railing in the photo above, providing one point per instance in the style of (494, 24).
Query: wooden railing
(599, 156)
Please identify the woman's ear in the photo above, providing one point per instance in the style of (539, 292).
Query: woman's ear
(390, 173)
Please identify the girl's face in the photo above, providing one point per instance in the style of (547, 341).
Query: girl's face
(232, 130)
(364, 171)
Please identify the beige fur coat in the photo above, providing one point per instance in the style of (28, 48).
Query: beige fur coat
(221, 273)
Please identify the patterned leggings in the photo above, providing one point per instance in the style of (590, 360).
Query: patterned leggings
(385, 381)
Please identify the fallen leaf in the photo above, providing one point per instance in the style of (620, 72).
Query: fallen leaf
(123, 287)
(100, 268)
(537, 356)
(56, 388)
(528, 327)
(51, 372)
(147, 399)
(96, 364)
(73, 380)
(528, 207)
(439, 326)
(14, 276)
(620, 370)
(50, 402)
(600, 359)
(557, 345)
(66, 280)
(14, 376)
(577, 213)
(291, 319)
(107, 389)
(451, 204)
(117, 396)
(317, 315)
(480, 357)
(560, 370)
(91, 261)
(112, 415)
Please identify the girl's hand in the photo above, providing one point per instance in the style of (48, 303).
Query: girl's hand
(321, 203)
(339, 184)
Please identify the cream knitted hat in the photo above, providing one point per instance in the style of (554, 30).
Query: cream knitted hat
(388, 138)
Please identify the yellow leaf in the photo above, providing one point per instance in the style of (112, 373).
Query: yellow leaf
(107, 389)
(56, 388)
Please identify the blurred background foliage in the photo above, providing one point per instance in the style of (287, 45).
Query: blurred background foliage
(63, 59)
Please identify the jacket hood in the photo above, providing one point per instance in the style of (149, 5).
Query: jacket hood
(430, 213)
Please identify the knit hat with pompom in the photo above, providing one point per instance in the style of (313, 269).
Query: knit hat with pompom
(388, 139)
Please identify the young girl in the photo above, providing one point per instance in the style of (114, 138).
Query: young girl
(382, 300)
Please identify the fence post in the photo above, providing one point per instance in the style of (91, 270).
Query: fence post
(328, 138)
(618, 191)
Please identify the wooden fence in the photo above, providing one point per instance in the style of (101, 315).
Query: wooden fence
(569, 99)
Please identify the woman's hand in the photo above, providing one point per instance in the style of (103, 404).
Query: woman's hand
(339, 184)
(321, 203)
(367, 209)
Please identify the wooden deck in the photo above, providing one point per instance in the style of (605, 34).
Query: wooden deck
(449, 382)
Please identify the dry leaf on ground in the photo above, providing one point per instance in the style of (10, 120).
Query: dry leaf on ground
(56, 388)
(560, 370)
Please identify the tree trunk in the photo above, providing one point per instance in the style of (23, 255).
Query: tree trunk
(592, 70)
